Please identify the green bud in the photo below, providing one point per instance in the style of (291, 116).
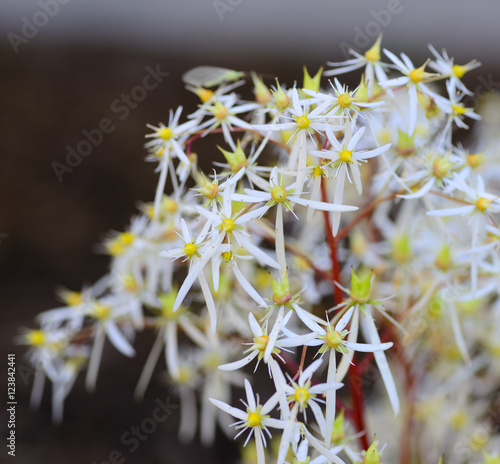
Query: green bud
(338, 432)
(406, 143)
(442, 167)
(372, 456)
(312, 83)
(236, 159)
(281, 98)
(401, 248)
(360, 287)
(444, 258)
(262, 93)
(281, 291)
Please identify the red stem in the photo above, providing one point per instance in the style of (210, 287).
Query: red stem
(333, 246)
(356, 390)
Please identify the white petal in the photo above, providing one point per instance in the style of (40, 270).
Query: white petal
(118, 339)
(239, 364)
(383, 365)
(238, 413)
(256, 252)
(195, 270)
(321, 205)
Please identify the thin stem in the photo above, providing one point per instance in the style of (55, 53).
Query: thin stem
(333, 246)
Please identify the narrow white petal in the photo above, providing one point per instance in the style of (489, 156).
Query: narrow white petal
(461, 210)
(257, 253)
(209, 300)
(239, 364)
(195, 270)
(235, 412)
(382, 364)
(321, 205)
(118, 339)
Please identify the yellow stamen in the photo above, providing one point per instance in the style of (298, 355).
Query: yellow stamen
(301, 395)
(190, 249)
(227, 225)
(278, 194)
(302, 122)
(36, 338)
(345, 100)
(346, 156)
(483, 204)
(165, 133)
(459, 71)
(253, 420)
(261, 342)
(333, 339)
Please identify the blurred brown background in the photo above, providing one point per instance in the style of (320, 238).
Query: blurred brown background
(65, 78)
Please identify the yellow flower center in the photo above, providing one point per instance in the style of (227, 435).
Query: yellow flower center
(302, 122)
(458, 419)
(205, 94)
(459, 109)
(164, 133)
(346, 156)
(474, 160)
(278, 194)
(170, 206)
(72, 298)
(417, 75)
(301, 395)
(261, 342)
(483, 204)
(372, 55)
(190, 249)
(333, 339)
(318, 171)
(459, 71)
(101, 311)
(345, 100)
(227, 225)
(220, 111)
(36, 338)
(253, 420)
(227, 255)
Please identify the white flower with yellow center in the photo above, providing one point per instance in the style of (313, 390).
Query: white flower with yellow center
(415, 79)
(301, 395)
(342, 103)
(374, 68)
(225, 226)
(346, 160)
(446, 66)
(255, 419)
(263, 342)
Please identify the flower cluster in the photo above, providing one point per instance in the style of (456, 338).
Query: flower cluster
(343, 243)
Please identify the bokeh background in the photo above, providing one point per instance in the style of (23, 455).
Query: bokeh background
(62, 76)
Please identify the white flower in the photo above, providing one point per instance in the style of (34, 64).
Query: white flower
(224, 225)
(414, 79)
(264, 343)
(374, 68)
(255, 419)
(346, 160)
(446, 66)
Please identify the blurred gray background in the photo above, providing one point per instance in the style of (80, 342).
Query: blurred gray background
(63, 66)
